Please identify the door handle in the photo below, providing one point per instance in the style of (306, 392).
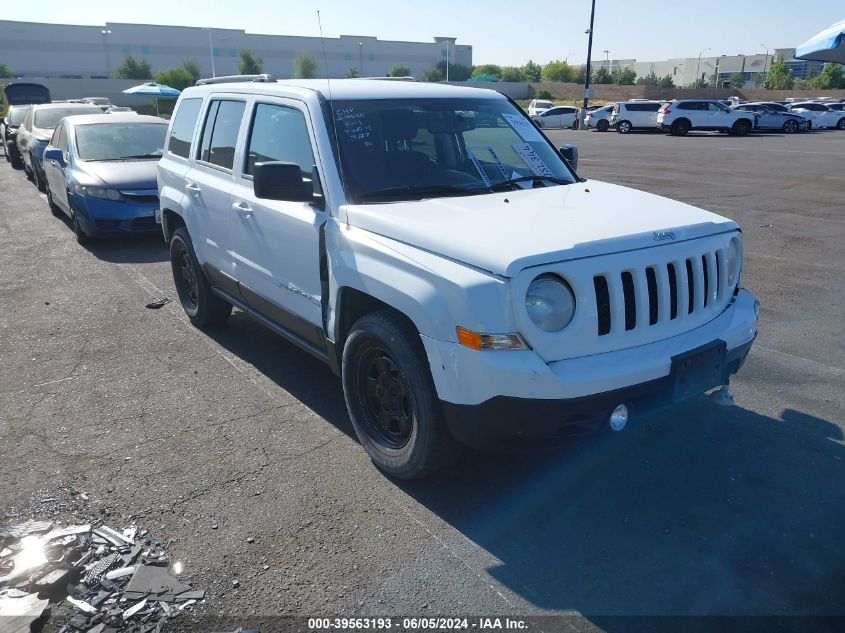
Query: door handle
(243, 209)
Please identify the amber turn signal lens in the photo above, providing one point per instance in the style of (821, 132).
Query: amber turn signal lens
(475, 340)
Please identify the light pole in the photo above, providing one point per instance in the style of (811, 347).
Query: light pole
(105, 33)
(766, 62)
(447, 61)
(361, 58)
(211, 53)
(566, 59)
(698, 65)
(607, 59)
(589, 32)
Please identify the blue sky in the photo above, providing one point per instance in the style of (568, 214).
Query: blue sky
(500, 31)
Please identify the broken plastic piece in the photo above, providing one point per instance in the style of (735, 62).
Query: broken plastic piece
(158, 303)
(155, 582)
(112, 536)
(120, 573)
(82, 605)
(134, 609)
(100, 568)
(25, 529)
(54, 577)
(723, 396)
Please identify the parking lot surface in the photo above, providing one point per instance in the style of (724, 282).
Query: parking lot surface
(213, 438)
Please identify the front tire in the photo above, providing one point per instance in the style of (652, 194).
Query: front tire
(602, 126)
(790, 126)
(623, 127)
(76, 226)
(54, 209)
(203, 307)
(741, 127)
(391, 398)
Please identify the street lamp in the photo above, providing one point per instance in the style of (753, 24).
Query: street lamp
(698, 65)
(211, 52)
(566, 59)
(361, 58)
(766, 62)
(589, 32)
(607, 59)
(105, 33)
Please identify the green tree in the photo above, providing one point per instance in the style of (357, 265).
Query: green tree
(486, 69)
(512, 73)
(433, 74)
(352, 73)
(250, 63)
(5, 72)
(737, 80)
(532, 71)
(650, 79)
(558, 71)
(624, 77)
(131, 68)
(830, 78)
(305, 66)
(542, 94)
(580, 74)
(779, 77)
(178, 78)
(399, 70)
(457, 72)
(192, 68)
(602, 76)
(666, 82)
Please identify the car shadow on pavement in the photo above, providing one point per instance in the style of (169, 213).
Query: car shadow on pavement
(130, 249)
(699, 510)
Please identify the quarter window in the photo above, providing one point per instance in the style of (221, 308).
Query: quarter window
(182, 130)
(279, 133)
(220, 132)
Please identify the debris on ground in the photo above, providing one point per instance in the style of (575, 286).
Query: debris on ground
(158, 303)
(99, 577)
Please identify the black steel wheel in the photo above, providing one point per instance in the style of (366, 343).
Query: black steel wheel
(202, 306)
(391, 398)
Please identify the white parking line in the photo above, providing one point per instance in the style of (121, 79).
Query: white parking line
(827, 369)
(786, 151)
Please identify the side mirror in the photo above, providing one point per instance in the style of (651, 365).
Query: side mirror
(54, 153)
(279, 180)
(570, 155)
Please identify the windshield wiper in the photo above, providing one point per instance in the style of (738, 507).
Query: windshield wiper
(512, 181)
(427, 190)
(142, 156)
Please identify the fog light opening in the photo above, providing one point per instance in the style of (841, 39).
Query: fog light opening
(619, 417)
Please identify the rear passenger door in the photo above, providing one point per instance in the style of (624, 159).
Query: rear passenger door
(275, 243)
(209, 183)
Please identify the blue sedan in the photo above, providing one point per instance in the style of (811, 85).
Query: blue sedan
(101, 172)
(769, 118)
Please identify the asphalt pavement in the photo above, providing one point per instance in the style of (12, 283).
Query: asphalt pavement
(213, 438)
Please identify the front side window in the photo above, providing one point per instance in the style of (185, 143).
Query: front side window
(406, 149)
(279, 133)
(182, 130)
(220, 132)
(120, 141)
(60, 140)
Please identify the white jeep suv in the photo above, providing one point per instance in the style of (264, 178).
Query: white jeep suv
(682, 115)
(434, 249)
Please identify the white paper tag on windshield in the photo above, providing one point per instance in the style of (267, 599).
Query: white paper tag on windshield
(479, 168)
(532, 159)
(523, 127)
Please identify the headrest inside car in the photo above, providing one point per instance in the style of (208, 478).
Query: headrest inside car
(399, 125)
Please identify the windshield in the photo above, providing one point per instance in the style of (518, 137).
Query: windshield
(48, 119)
(117, 141)
(413, 148)
(16, 114)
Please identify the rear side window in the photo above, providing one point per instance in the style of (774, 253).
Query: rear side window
(182, 130)
(279, 133)
(220, 132)
(692, 105)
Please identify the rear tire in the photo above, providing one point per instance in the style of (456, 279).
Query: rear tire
(391, 398)
(15, 160)
(602, 126)
(203, 307)
(680, 128)
(38, 180)
(623, 127)
(840, 124)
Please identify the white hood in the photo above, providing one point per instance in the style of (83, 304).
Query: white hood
(504, 233)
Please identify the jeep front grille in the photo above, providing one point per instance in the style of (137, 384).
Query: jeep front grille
(632, 300)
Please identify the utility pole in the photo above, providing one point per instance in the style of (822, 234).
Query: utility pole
(766, 62)
(211, 53)
(589, 56)
(105, 33)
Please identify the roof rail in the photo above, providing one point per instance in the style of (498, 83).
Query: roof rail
(406, 78)
(228, 79)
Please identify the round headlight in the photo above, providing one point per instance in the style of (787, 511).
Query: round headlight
(550, 303)
(734, 257)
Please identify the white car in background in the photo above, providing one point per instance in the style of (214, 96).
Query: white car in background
(820, 115)
(557, 117)
(599, 119)
(538, 106)
(637, 114)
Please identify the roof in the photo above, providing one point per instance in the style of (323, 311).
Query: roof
(119, 117)
(350, 89)
(826, 46)
(58, 105)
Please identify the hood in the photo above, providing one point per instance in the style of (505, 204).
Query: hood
(128, 174)
(504, 233)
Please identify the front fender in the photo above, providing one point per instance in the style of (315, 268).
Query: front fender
(437, 294)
